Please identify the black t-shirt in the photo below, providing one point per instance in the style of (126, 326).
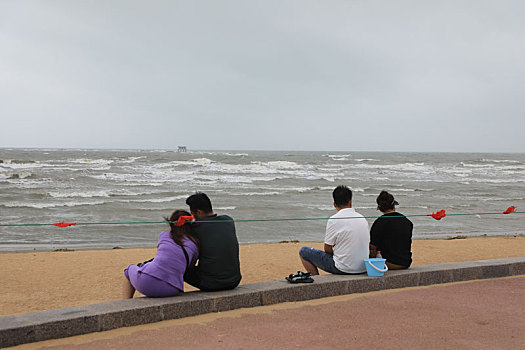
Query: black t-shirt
(218, 265)
(392, 235)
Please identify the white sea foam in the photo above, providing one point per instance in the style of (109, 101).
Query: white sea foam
(225, 208)
(282, 164)
(269, 193)
(498, 181)
(324, 207)
(22, 165)
(48, 205)
(236, 154)
(500, 160)
(230, 178)
(16, 175)
(153, 200)
(76, 194)
(91, 161)
(412, 190)
(338, 156)
(131, 159)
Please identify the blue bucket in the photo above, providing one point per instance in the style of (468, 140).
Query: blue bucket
(376, 267)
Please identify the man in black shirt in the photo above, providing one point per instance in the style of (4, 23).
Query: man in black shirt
(218, 267)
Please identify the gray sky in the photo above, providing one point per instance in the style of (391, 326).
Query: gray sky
(273, 75)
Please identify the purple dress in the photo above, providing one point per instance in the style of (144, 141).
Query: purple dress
(164, 276)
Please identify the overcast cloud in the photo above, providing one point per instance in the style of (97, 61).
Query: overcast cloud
(273, 75)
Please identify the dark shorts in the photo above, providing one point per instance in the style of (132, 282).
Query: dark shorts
(194, 278)
(321, 259)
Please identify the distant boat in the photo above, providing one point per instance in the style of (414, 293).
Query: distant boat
(182, 149)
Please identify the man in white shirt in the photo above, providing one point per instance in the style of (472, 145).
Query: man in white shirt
(345, 243)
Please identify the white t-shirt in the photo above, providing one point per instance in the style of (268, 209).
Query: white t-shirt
(350, 238)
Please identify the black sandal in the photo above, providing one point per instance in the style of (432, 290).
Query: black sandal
(300, 277)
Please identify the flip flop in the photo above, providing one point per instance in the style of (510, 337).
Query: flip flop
(300, 277)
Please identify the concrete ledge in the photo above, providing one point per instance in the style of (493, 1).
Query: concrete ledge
(66, 322)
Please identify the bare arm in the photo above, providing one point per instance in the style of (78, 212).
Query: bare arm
(372, 250)
(329, 249)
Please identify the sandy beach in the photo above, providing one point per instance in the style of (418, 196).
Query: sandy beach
(37, 281)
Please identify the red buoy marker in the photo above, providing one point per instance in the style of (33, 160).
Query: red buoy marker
(64, 224)
(438, 215)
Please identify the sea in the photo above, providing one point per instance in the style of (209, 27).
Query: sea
(44, 186)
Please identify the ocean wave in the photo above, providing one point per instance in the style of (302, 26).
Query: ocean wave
(153, 200)
(367, 160)
(229, 178)
(18, 175)
(16, 161)
(339, 156)
(498, 181)
(142, 179)
(91, 161)
(23, 165)
(381, 178)
(499, 160)
(225, 208)
(131, 159)
(476, 166)
(30, 183)
(76, 194)
(193, 162)
(270, 193)
(401, 167)
(50, 205)
(236, 154)
(413, 190)
(500, 199)
(283, 164)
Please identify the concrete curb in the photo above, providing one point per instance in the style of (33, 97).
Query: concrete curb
(66, 322)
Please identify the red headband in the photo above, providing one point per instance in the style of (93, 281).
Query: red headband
(182, 220)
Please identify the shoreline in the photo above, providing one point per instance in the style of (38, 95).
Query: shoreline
(37, 281)
(436, 237)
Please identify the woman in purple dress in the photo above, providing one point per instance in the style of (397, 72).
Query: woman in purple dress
(163, 276)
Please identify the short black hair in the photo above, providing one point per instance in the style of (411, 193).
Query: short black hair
(342, 195)
(200, 201)
(385, 201)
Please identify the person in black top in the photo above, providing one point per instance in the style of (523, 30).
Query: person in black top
(391, 234)
(218, 267)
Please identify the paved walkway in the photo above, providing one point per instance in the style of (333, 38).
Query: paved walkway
(483, 314)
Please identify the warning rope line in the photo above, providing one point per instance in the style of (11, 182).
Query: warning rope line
(438, 216)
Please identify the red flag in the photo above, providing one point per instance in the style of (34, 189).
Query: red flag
(64, 224)
(509, 210)
(182, 220)
(438, 215)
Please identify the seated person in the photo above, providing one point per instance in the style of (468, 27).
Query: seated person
(163, 275)
(218, 267)
(391, 234)
(345, 242)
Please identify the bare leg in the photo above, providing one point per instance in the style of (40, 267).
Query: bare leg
(127, 289)
(309, 267)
